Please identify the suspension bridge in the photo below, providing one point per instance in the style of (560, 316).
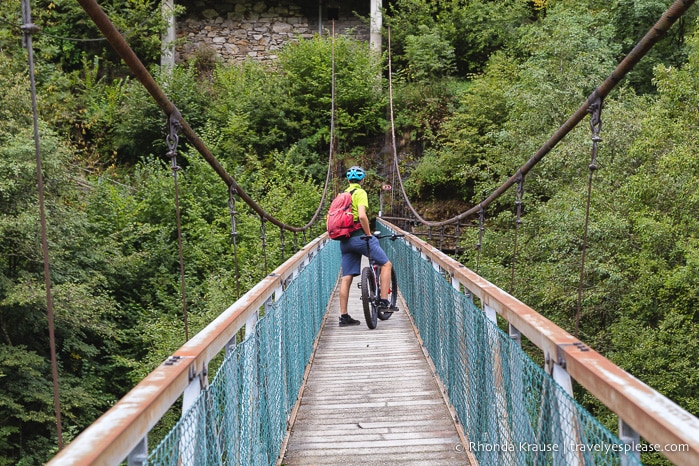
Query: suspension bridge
(445, 381)
(266, 404)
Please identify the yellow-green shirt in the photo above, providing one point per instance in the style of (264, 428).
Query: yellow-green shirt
(359, 197)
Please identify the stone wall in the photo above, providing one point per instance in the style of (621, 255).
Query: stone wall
(235, 30)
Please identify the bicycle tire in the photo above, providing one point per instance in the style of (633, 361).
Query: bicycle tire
(392, 295)
(369, 297)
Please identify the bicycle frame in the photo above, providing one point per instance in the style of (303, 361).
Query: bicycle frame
(370, 284)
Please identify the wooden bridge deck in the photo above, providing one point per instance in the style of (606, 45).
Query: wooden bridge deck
(371, 398)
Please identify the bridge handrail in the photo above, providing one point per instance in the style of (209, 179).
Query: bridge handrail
(655, 417)
(111, 438)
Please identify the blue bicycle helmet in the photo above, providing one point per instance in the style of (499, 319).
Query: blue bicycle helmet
(355, 173)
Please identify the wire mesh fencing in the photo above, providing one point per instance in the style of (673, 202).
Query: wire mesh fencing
(241, 417)
(511, 410)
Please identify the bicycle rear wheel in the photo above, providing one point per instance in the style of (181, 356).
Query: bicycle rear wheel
(369, 297)
(392, 296)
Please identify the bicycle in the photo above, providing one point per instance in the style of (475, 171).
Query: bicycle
(370, 285)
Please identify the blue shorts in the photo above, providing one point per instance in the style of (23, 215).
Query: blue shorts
(354, 248)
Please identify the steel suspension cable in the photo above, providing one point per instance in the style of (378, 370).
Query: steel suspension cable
(332, 106)
(518, 222)
(595, 127)
(282, 243)
(481, 231)
(263, 239)
(102, 21)
(393, 138)
(659, 29)
(171, 141)
(28, 28)
(234, 238)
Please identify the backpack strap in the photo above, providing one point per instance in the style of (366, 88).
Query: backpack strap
(357, 222)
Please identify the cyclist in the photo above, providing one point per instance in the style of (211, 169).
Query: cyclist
(354, 247)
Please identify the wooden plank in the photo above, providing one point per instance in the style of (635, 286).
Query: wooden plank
(371, 398)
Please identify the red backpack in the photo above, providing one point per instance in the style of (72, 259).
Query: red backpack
(340, 221)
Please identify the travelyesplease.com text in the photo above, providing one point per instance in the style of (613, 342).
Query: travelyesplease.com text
(575, 447)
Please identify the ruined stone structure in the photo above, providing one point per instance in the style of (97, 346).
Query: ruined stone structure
(235, 30)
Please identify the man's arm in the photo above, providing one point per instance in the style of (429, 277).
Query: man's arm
(363, 219)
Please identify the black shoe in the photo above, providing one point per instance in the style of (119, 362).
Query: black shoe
(346, 320)
(385, 306)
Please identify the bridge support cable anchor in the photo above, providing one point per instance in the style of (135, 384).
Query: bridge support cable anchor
(29, 28)
(250, 324)
(595, 110)
(172, 140)
(569, 423)
(499, 416)
(197, 382)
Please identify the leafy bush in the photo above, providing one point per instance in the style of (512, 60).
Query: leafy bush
(360, 102)
(428, 55)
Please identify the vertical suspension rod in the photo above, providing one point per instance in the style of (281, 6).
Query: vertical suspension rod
(28, 28)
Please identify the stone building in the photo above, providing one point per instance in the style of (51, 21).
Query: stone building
(235, 30)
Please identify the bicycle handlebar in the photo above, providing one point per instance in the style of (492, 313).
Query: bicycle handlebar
(378, 235)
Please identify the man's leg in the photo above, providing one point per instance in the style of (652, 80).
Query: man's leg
(385, 279)
(386, 286)
(345, 285)
(345, 318)
(351, 262)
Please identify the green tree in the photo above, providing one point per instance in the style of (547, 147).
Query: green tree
(474, 29)
(632, 19)
(639, 295)
(360, 102)
(510, 110)
(81, 309)
(68, 33)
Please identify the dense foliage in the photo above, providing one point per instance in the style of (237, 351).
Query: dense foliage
(478, 85)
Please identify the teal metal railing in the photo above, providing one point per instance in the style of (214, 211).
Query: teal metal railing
(511, 410)
(241, 418)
